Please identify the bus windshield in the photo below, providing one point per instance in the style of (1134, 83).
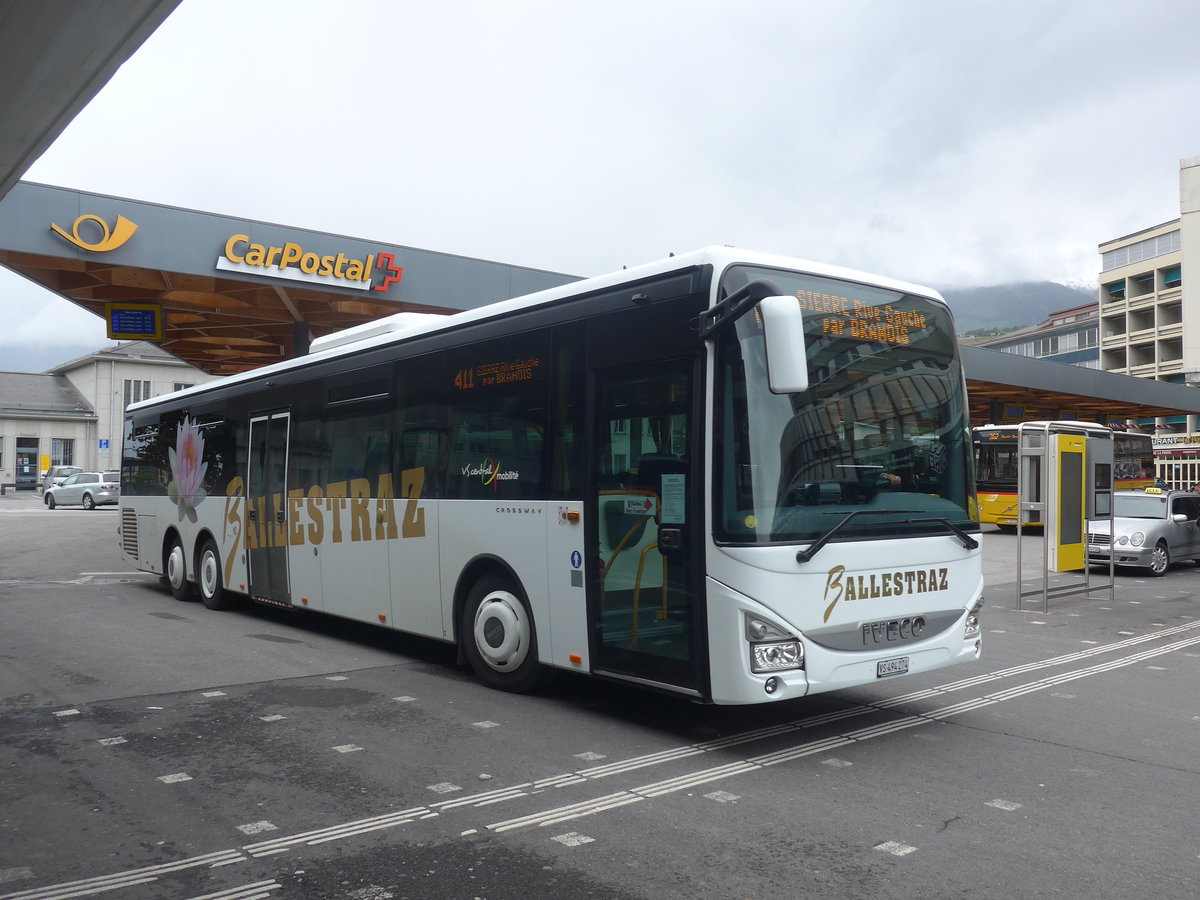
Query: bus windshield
(882, 430)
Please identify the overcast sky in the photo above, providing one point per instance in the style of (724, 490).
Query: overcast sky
(946, 142)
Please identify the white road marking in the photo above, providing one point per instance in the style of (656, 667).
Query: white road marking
(1006, 805)
(623, 798)
(257, 827)
(896, 848)
(256, 891)
(722, 797)
(573, 839)
(347, 748)
(113, 741)
(619, 799)
(119, 880)
(174, 779)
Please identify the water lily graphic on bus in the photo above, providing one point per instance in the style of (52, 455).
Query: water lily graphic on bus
(186, 489)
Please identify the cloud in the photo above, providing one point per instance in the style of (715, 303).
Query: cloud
(939, 141)
(41, 319)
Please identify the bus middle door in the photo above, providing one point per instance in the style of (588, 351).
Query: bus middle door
(266, 523)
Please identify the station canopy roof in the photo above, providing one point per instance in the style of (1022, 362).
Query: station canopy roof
(1038, 389)
(231, 294)
(54, 58)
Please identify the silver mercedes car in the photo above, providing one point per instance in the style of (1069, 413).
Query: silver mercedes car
(1151, 530)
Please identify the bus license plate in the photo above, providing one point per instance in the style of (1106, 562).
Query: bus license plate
(886, 667)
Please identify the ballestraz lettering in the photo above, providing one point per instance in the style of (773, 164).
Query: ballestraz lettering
(840, 586)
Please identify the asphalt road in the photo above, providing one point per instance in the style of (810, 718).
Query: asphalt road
(153, 749)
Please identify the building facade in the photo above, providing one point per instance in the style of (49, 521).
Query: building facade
(1069, 336)
(72, 414)
(1150, 320)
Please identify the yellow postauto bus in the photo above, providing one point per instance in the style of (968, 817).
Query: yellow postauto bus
(996, 470)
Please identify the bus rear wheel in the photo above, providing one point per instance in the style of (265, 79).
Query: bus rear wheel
(498, 636)
(176, 569)
(208, 575)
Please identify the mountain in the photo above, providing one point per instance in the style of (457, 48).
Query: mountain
(1011, 306)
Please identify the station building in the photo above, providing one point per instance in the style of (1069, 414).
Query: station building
(72, 414)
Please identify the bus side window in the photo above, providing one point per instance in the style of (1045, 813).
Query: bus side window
(498, 395)
(359, 447)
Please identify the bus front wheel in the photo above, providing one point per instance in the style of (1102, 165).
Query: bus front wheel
(499, 637)
(176, 569)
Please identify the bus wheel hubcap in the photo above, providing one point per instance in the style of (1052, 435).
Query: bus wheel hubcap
(208, 575)
(501, 631)
(175, 571)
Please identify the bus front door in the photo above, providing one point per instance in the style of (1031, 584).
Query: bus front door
(266, 509)
(645, 618)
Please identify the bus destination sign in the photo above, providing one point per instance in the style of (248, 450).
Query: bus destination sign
(843, 317)
(492, 374)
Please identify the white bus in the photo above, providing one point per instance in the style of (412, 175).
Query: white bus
(734, 476)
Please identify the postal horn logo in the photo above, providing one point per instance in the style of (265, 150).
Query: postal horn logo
(110, 239)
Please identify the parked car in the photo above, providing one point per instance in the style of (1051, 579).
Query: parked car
(56, 475)
(1152, 528)
(91, 489)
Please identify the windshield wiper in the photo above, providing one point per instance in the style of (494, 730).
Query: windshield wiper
(805, 555)
(967, 541)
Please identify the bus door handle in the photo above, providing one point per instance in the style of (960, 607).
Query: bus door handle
(670, 540)
(279, 516)
(252, 514)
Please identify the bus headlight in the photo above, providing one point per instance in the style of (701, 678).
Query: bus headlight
(972, 628)
(776, 656)
(772, 647)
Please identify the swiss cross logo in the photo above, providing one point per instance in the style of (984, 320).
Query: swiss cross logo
(387, 264)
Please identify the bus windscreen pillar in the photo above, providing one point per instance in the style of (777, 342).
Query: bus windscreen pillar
(1065, 508)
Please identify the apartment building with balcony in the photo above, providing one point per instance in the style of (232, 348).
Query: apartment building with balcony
(1149, 322)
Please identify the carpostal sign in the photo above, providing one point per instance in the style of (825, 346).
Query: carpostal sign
(373, 272)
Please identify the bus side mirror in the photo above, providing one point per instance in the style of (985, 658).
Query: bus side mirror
(787, 357)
